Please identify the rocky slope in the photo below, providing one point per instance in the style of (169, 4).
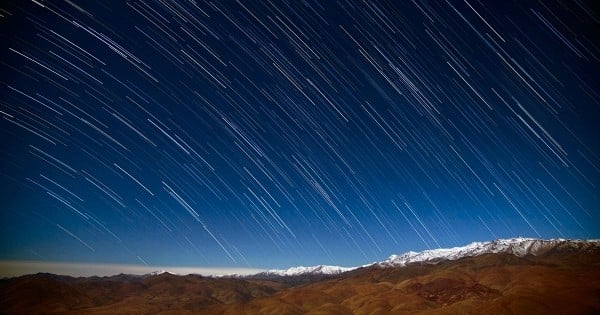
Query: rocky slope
(518, 276)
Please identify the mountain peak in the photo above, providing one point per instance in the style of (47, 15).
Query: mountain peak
(160, 272)
(518, 246)
(302, 270)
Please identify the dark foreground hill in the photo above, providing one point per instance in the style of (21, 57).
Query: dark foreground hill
(556, 282)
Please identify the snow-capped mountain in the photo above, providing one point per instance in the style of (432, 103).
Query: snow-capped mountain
(301, 271)
(517, 246)
(159, 272)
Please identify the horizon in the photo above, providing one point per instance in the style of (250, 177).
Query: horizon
(14, 268)
(264, 133)
(11, 269)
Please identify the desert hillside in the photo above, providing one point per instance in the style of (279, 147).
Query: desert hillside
(557, 282)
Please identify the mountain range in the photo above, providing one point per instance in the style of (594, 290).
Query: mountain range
(512, 276)
(516, 246)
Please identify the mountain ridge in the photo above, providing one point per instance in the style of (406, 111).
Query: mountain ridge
(518, 246)
(514, 276)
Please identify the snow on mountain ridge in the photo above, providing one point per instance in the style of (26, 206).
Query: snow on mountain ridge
(313, 270)
(159, 272)
(517, 246)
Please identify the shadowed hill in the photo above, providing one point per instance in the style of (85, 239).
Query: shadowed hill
(49, 294)
(560, 281)
(556, 283)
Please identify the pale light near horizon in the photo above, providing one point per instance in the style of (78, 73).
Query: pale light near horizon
(15, 268)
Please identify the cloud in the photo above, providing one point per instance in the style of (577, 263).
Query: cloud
(14, 268)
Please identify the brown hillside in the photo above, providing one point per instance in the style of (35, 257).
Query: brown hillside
(556, 283)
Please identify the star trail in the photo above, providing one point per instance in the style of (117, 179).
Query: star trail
(281, 133)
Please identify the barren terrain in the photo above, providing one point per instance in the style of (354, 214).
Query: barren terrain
(554, 283)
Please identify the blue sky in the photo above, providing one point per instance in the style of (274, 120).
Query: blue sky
(269, 135)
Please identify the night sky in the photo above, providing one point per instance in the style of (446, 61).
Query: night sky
(280, 133)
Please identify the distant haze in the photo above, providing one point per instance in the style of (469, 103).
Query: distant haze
(13, 268)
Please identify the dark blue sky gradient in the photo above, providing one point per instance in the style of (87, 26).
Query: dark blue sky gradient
(271, 134)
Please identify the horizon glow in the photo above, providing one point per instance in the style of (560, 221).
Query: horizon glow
(277, 134)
